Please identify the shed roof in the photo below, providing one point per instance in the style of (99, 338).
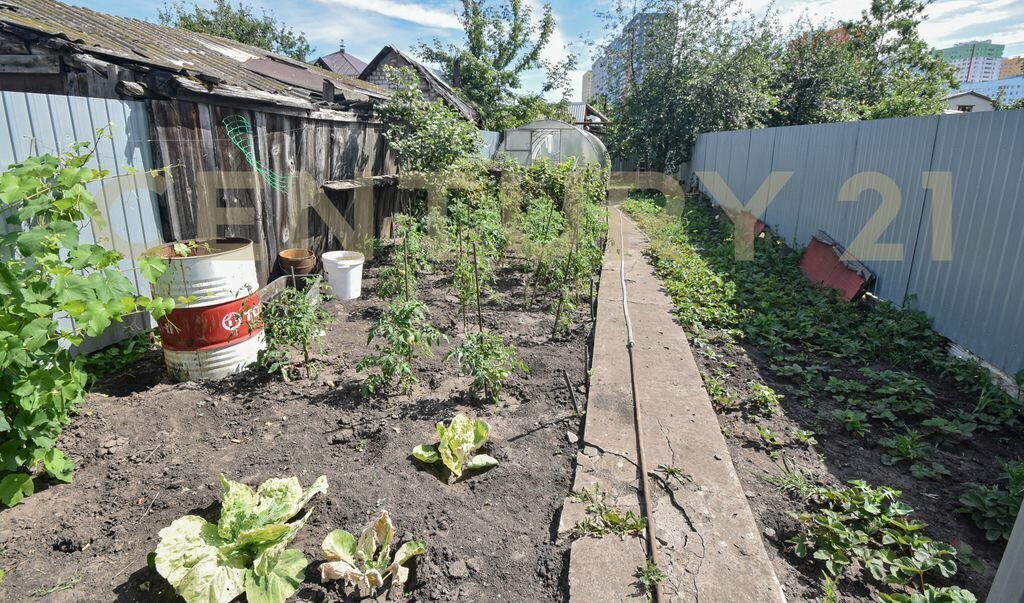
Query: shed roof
(342, 62)
(212, 60)
(431, 79)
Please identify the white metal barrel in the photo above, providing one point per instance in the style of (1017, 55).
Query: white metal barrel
(215, 271)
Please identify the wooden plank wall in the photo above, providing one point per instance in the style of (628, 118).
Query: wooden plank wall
(192, 138)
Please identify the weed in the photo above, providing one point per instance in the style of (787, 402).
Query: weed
(60, 585)
(118, 357)
(793, 482)
(603, 519)
(672, 472)
(649, 576)
(721, 397)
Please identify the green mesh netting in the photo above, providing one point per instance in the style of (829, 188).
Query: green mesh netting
(240, 133)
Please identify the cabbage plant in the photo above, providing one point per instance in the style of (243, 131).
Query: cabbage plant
(366, 563)
(245, 551)
(456, 443)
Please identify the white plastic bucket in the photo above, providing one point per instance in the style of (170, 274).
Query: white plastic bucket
(344, 270)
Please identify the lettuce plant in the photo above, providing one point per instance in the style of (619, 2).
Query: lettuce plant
(456, 442)
(245, 551)
(366, 563)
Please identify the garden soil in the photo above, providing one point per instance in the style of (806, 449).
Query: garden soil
(148, 451)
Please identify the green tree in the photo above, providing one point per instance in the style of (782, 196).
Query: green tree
(501, 43)
(901, 75)
(239, 23)
(690, 66)
(819, 77)
(426, 136)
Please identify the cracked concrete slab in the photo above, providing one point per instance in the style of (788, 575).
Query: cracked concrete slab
(710, 547)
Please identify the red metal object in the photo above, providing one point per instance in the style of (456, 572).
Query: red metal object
(821, 264)
(211, 327)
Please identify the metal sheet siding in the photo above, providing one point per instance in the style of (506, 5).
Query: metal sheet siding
(39, 123)
(973, 299)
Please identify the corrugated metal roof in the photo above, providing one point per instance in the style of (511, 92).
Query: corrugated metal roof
(212, 59)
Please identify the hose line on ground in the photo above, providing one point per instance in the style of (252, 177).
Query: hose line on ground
(645, 485)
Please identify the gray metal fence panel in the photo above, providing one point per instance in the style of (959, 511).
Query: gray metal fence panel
(40, 123)
(974, 297)
(788, 155)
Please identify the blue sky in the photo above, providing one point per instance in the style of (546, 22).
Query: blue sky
(367, 25)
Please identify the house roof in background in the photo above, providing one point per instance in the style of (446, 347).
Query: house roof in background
(432, 80)
(212, 60)
(967, 93)
(342, 62)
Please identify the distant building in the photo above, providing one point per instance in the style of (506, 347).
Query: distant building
(613, 68)
(432, 85)
(587, 117)
(341, 62)
(1011, 67)
(968, 102)
(975, 61)
(588, 86)
(1006, 90)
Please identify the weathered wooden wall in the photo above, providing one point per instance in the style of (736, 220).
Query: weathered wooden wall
(191, 137)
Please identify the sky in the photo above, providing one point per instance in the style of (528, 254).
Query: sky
(368, 25)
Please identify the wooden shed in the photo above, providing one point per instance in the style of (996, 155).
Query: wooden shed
(308, 130)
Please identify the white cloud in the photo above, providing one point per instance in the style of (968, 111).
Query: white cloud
(420, 14)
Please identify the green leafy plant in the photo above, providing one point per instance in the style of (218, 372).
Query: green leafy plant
(932, 594)
(909, 447)
(994, 508)
(764, 398)
(793, 482)
(872, 526)
(649, 576)
(294, 322)
(603, 519)
(367, 563)
(854, 421)
(949, 431)
(805, 437)
(489, 360)
(407, 334)
(119, 356)
(55, 290)
(721, 397)
(456, 444)
(768, 437)
(245, 551)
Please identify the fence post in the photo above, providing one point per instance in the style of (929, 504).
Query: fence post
(1008, 587)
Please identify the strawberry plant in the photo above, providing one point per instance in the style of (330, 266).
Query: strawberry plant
(245, 551)
(406, 334)
(949, 431)
(994, 508)
(909, 447)
(456, 442)
(367, 563)
(854, 422)
(55, 290)
(764, 398)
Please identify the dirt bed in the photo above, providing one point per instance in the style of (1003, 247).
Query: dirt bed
(148, 451)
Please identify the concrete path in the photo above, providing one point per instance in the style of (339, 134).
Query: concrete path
(710, 548)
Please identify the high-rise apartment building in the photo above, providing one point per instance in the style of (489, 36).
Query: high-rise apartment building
(975, 61)
(588, 86)
(614, 66)
(1011, 68)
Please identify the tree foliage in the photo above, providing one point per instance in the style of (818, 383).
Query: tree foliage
(426, 136)
(239, 23)
(501, 43)
(695, 66)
